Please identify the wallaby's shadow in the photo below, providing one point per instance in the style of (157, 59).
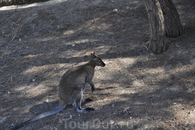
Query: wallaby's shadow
(43, 107)
(99, 89)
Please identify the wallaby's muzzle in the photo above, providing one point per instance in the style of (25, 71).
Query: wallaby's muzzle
(103, 64)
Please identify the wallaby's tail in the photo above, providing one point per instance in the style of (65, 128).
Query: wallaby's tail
(45, 114)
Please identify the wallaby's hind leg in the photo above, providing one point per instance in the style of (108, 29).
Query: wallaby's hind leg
(80, 109)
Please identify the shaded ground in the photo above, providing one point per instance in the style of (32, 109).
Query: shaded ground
(136, 90)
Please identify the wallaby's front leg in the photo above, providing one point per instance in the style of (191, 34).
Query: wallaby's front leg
(92, 86)
(89, 81)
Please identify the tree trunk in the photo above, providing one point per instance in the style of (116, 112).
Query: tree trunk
(157, 26)
(173, 26)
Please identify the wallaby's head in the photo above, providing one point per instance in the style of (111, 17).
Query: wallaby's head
(97, 61)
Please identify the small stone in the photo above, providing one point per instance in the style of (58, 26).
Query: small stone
(114, 10)
(113, 105)
(111, 122)
(33, 80)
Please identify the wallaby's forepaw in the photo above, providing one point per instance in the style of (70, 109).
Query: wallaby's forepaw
(88, 100)
(89, 109)
(93, 89)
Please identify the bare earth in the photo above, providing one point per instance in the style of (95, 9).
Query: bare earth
(136, 90)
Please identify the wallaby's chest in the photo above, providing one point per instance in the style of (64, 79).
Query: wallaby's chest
(78, 75)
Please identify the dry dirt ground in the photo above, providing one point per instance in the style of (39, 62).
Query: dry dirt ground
(136, 90)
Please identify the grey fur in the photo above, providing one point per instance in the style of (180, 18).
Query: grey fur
(71, 88)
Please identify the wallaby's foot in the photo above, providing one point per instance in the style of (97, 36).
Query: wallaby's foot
(93, 89)
(89, 109)
(78, 107)
(85, 109)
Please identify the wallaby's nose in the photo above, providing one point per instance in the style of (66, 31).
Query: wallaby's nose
(103, 64)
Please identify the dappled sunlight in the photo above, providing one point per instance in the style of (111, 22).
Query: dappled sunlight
(73, 43)
(119, 64)
(113, 93)
(115, 72)
(32, 91)
(7, 8)
(146, 74)
(25, 6)
(31, 56)
(69, 32)
(134, 83)
(183, 112)
(135, 123)
(23, 88)
(138, 83)
(182, 69)
(102, 26)
(45, 39)
(43, 69)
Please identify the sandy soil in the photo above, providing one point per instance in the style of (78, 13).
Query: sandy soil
(136, 90)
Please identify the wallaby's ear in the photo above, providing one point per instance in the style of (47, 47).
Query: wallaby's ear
(93, 55)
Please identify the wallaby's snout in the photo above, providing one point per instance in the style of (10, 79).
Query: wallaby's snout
(97, 61)
(103, 64)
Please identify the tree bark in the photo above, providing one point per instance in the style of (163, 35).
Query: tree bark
(157, 26)
(173, 26)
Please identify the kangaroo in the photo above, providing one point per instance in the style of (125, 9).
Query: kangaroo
(71, 88)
